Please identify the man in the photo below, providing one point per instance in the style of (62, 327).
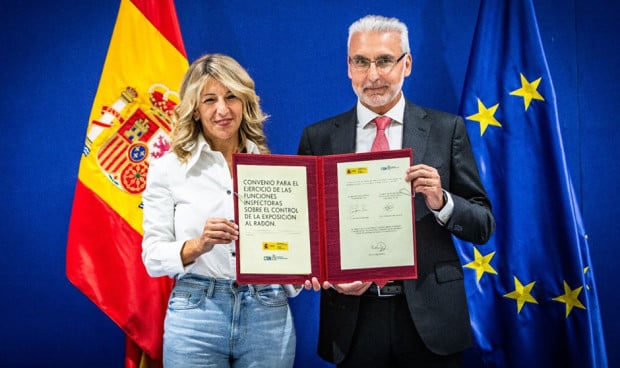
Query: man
(422, 322)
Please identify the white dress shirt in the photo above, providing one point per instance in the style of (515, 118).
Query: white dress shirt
(367, 130)
(178, 199)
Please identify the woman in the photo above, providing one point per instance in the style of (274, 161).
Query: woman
(189, 235)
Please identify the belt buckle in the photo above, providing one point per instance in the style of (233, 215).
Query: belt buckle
(383, 295)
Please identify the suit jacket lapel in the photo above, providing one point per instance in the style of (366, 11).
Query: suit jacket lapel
(343, 136)
(415, 131)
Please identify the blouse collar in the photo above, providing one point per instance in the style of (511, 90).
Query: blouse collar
(201, 145)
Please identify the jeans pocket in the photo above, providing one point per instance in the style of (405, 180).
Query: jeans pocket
(271, 296)
(183, 297)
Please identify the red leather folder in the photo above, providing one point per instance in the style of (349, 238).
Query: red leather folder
(322, 192)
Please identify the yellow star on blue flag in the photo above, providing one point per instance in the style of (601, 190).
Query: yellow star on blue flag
(482, 264)
(485, 116)
(570, 298)
(528, 90)
(522, 294)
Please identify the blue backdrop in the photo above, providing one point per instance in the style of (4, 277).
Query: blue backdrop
(52, 54)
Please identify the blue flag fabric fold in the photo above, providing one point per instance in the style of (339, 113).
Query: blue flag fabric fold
(531, 288)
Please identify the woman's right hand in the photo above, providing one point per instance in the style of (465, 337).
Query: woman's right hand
(215, 231)
(218, 231)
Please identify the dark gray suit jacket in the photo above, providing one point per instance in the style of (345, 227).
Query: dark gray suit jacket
(436, 299)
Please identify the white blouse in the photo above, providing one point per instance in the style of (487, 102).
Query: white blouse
(178, 199)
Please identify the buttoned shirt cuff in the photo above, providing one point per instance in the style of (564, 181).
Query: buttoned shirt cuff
(443, 216)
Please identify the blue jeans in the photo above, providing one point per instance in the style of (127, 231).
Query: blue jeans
(215, 323)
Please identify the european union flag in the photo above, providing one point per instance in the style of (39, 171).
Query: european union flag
(531, 289)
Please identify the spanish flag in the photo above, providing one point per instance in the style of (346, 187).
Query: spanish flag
(129, 126)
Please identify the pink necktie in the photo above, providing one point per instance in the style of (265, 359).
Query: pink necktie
(381, 142)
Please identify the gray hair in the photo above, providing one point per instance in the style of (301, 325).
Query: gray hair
(378, 23)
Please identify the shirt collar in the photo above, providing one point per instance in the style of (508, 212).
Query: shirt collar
(396, 113)
(201, 145)
(195, 149)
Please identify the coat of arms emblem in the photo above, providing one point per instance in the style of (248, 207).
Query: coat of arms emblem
(143, 134)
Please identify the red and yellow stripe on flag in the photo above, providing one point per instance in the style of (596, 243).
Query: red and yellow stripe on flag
(129, 126)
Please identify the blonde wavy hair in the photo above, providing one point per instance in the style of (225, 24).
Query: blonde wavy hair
(233, 76)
